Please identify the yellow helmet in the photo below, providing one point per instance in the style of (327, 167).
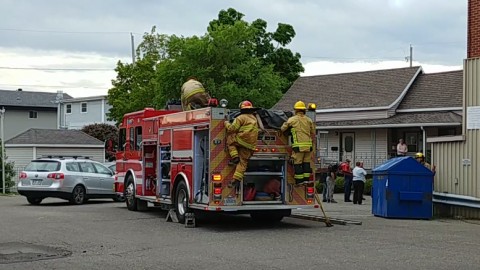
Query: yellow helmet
(245, 105)
(299, 105)
(419, 155)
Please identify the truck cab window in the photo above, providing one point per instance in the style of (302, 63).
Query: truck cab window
(138, 137)
(122, 139)
(130, 139)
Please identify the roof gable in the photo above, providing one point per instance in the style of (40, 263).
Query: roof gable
(28, 98)
(54, 136)
(435, 90)
(378, 88)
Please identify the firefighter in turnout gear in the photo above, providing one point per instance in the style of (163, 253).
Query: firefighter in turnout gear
(302, 130)
(193, 95)
(242, 140)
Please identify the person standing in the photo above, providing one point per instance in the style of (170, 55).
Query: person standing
(302, 129)
(331, 178)
(193, 95)
(359, 179)
(347, 175)
(242, 140)
(402, 148)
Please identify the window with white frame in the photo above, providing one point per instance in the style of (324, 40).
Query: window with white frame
(32, 114)
(68, 108)
(83, 106)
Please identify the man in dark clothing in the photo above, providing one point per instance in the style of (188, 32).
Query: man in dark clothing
(348, 177)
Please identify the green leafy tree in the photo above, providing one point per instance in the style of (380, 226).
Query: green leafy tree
(105, 133)
(234, 59)
(9, 173)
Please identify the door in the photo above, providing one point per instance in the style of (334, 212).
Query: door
(90, 177)
(347, 148)
(106, 178)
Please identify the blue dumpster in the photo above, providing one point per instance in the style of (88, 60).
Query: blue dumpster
(402, 188)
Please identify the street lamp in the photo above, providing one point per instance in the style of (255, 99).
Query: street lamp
(2, 116)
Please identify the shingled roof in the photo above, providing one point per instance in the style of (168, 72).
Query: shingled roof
(36, 136)
(29, 98)
(378, 88)
(413, 119)
(435, 90)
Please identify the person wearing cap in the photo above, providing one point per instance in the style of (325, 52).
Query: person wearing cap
(346, 170)
(302, 129)
(242, 140)
(420, 157)
(193, 95)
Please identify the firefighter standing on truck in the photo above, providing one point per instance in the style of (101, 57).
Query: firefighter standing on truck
(193, 95)
(242, 140)
(302, 129)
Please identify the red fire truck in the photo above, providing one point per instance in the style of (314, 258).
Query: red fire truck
(179, 160)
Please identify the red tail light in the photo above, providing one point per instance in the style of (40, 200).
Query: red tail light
(217, 191)
(23, 175)
(56, 176)
(310, 189)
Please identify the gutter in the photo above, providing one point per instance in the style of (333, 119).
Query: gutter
(457, 200)
(391, 126)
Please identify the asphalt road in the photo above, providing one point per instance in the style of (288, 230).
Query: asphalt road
(105, 235)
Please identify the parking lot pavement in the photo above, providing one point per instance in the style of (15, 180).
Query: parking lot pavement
(104, 235)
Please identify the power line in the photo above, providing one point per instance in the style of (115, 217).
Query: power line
(55, 86)
(65, 32)
(59, 69)
(353, 58)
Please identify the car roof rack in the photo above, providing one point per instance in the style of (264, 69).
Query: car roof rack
(64, 156)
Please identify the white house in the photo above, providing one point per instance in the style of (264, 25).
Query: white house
(79, 112)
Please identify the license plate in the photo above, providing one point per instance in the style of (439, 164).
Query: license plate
(36, 182)
(229, 201)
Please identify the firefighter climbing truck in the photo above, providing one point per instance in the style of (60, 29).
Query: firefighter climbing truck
(179, 160)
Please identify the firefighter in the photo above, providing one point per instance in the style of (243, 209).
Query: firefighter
(420, 157)
(302, 130)
(193, 95)
(242, 140)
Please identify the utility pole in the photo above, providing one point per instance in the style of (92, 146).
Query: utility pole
(132, 39)
(2, 116)
(411, 55)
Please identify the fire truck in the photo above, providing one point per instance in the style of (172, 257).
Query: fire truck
(178, 160)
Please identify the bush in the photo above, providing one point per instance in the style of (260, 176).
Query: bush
(9, 174)
(340, 183)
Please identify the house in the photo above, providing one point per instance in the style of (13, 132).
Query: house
(35, 143)
(79, 112)
(29, 109)
(362, 115)
(457, 158)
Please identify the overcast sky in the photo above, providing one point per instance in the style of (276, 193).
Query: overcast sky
(333, 36)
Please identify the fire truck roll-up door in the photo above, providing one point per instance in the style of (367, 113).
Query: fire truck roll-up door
(201, 151)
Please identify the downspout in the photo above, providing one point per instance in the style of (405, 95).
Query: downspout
(424, 141)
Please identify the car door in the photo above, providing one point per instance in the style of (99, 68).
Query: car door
(90, 178)
(106, 179)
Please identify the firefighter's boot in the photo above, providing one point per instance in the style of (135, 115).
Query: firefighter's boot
(234, 161)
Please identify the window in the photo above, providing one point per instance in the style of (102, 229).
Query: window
(122, 139)
(348, 144)
(72, 167)
(411, 139)
(43, 166)
(84, 107)
(447, 132)
(68, 108)
(130, 139)
(32, 115)
(138, 137)
(101, 169)
(87, 167)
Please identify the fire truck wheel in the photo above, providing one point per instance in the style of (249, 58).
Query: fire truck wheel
(130, 195)
(181, 201)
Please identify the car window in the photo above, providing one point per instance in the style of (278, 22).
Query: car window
(72, 167)
(102, 169)
(112, 167)
(43, 166)
(87, 167)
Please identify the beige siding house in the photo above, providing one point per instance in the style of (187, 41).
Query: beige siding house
(362, 115)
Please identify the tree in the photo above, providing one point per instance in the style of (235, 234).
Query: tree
(105, 133)
(9, 173)
(234, 59)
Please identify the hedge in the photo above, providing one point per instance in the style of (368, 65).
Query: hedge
(339, 186)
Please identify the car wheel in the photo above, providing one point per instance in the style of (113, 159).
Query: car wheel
(78, 195)
(34, 201)
(181, 202)
(130, 199)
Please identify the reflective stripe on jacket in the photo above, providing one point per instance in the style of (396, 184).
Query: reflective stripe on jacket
(189, 89)
(246, 128)
(302, 129)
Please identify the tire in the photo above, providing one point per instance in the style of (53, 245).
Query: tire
(34, 201)
(129, 194)
(78, 195)
(181, 201)
(269, 217)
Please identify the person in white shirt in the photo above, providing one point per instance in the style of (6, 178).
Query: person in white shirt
(359, 180)
(402, 148)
